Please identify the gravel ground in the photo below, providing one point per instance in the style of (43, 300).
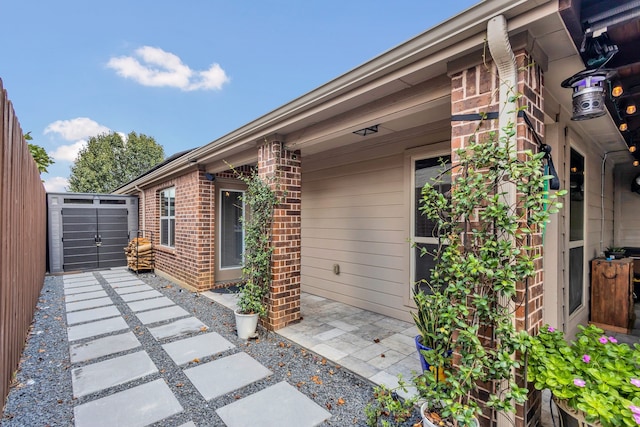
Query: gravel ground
(42, 395)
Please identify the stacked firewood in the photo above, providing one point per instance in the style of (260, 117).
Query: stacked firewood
(139, 254)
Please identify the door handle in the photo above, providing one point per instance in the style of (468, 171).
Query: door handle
(98, 240)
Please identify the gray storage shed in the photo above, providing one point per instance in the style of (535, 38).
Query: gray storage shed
(89, 231)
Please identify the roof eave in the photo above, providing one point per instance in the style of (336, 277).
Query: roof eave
(444, 34)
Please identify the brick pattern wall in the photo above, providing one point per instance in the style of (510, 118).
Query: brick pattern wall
(192, 260)
(474, 91)
(284, 295)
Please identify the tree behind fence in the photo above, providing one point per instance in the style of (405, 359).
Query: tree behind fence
(22, 240)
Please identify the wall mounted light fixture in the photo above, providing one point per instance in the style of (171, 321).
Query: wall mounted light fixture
(588, 93)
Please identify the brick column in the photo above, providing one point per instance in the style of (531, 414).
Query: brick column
(475, 91)
(282, 169)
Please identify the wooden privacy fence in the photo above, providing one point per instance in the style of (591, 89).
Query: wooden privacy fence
(22, 240)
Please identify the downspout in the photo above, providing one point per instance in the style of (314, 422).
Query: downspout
(143, 206)
(502, 54)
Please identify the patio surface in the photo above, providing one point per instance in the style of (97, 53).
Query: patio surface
(340, 332)
(372, 345)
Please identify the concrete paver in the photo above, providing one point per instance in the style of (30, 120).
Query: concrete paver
(293, 409)
(85, 296)
(138, 406)
(200, 346)
(187, 326)
(224, 375)
(112, 372)
(137, 306)
(92, 303)
(92, 314)
(127, 284)
(96, 328)
(132, 289)
(161, 314)
(78, 277)
(82, 289)
(80, 283)
(103, 347)
(141, 295)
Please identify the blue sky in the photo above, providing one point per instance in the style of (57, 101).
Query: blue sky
(185, 73)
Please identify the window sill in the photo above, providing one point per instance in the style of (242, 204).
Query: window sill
(166, 249)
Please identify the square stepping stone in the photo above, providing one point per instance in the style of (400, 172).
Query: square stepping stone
(92, 303)
(112, 372)
(141, 295)
(103, 347)
(72, 277)
(280, 405)
(230, 373)
(93, 329)
(138, 406)
(187, 326)
(82, 289)
(93, 314)
(119, 277)
(125, 283)
(80, 284)
(161, 314)
(137, 306)
(186, 350)
(132, 289)
(189, 424)
(116, 273)
(85, 296)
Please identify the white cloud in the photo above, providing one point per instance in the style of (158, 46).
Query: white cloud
(78, 128)
(69, 152)
(56, 184)
(159, 68)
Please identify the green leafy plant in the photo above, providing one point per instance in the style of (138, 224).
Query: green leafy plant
(388, 408)
(594, 374)
(616, 249)
(486, 250)
(39, 154)
(260, 201)
(430, 319)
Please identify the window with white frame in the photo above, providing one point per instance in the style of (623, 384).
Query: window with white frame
(168, 217)
(426, 234)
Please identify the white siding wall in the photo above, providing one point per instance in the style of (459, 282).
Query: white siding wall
(355, 214)
(627, 223)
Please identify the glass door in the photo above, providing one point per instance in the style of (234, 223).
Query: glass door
(576, 232)
(425, 233)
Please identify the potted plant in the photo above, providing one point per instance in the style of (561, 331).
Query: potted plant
(614, 252)
(593, 378)
(433, 330)
(259, 201)
(486, 251)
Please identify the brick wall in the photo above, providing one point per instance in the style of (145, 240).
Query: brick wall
(475, 90)
(284, 295)
(192, 260)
